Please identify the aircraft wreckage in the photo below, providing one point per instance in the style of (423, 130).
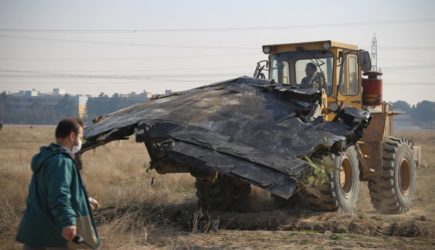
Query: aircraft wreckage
(248, 130)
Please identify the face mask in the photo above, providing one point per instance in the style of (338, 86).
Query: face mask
(77, 148)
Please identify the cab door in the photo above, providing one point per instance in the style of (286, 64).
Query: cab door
(350, 91)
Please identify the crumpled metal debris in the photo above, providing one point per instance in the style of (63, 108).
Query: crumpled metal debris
(248, 128)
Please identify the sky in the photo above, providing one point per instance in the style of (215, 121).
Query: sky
(89, 47)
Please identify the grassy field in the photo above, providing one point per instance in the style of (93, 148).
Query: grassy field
(142, 209)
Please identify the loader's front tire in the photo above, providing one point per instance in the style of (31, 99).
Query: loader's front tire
(392, 189)
(341, 189)
(222, 193)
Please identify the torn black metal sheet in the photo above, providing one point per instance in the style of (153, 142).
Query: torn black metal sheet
(249, 128)
(263, 177)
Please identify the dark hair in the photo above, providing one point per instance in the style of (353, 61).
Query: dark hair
(67, 126)
(311, 66)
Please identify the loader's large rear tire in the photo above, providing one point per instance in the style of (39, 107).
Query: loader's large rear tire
(222, 193)
(341, 189)
(392, 189)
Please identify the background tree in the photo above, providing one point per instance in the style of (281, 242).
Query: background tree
(3, 105)
(402, 106)
(424, 112)
(103, 104)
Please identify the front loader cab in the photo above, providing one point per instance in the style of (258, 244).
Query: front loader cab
(331, 66)
(302, 69)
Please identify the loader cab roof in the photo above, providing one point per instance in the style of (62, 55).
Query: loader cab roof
(316, 45)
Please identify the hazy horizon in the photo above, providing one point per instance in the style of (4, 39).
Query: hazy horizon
(89, 47)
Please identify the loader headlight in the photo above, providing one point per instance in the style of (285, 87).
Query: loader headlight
(267, 50)
(326, 45)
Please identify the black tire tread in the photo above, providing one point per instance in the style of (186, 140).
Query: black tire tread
(381, 187)
(327, 196)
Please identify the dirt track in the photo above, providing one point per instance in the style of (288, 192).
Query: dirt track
(264, 226)
(283, 228)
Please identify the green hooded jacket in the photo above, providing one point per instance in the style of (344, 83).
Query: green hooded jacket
(57, 198)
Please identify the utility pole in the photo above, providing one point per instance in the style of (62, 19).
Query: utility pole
(374, 53)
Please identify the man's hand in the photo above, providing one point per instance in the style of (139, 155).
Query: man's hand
(69, 232)
(94, 203)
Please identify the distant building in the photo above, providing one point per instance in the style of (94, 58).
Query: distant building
(57, 91)
(25, 100)
(27, 93)
(81, 102)
(136, 97)
(32, 106)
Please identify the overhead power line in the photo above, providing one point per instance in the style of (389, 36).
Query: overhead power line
(152, 70)
(408, 67)
(13, 73)
(177, 46)
(39, 74)
(106, 82)
(123, 77)
(402, 59)
(124, 58)
(410, 84)
(218, 29)
(67, 73)
(409, 48)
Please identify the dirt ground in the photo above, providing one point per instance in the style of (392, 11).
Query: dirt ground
(144, 210)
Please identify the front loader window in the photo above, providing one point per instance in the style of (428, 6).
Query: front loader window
(349, 83)
(291, 68)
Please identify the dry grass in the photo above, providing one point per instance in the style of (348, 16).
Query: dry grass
(17, 146)
(115, 174)
(427, 140)
(142, 209)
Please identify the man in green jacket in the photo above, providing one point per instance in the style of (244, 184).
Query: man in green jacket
(59, 211)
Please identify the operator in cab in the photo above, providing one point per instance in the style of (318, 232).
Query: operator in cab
(314, 79)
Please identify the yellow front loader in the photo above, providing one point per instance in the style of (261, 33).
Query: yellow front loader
(387, 162)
